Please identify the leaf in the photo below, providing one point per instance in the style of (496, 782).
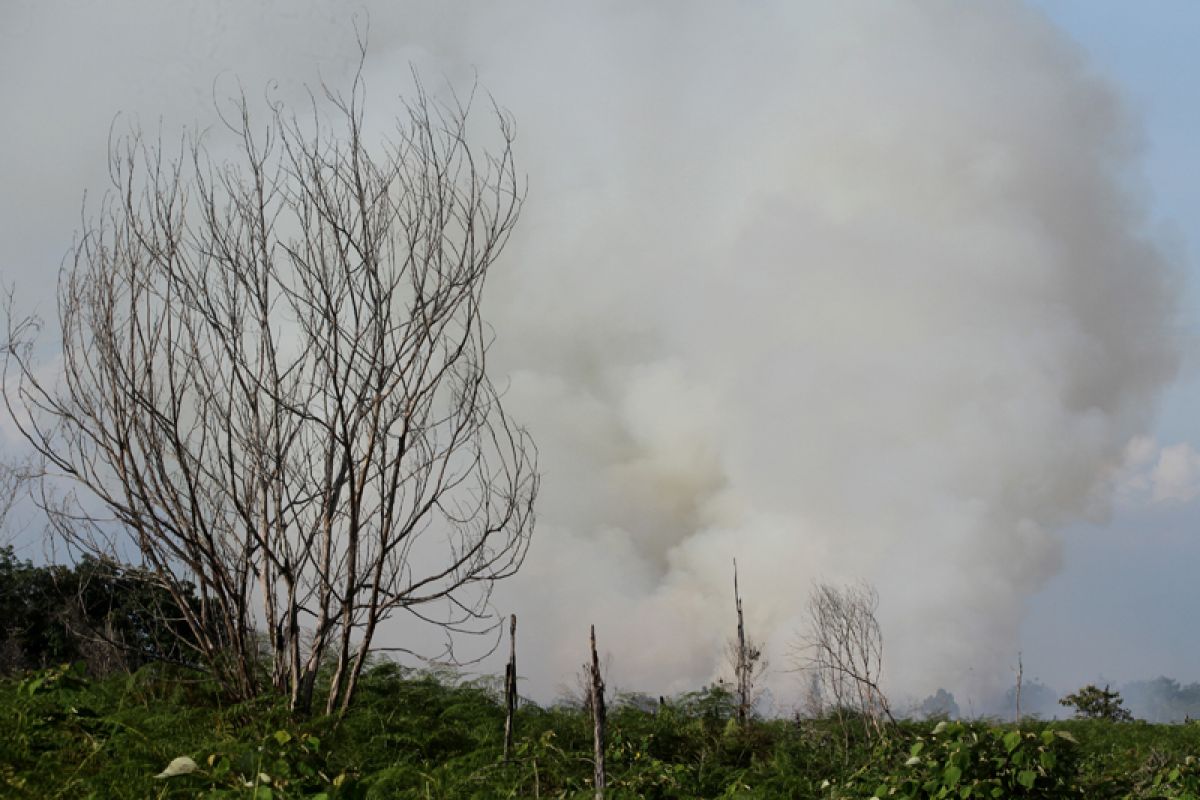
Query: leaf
(1027, 778)
(179, 766)
(951, 775)
(912, 761)
(1012, 740)
(283, 737)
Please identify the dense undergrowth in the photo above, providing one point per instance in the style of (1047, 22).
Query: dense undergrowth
(423, 735)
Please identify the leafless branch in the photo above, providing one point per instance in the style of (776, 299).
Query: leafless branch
(274, 382)
(843, 652)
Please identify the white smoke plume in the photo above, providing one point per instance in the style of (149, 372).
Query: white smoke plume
(857, 290)
(843, 290)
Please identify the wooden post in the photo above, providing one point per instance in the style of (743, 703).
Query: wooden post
(598, 716)
(742, 667)
(510, 687)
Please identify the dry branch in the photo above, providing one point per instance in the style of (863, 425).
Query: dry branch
(274, 382)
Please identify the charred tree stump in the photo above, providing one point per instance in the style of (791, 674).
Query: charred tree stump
(510, 687)
(743, 667)
(1020, 675)
(598, 719)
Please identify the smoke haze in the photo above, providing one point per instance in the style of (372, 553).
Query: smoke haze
(846, 290)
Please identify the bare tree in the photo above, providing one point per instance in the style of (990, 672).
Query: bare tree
(843, 652)
(746, 657)
(274, 382)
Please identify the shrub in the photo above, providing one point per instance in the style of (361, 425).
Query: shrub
(1091, 702)
(967, 761)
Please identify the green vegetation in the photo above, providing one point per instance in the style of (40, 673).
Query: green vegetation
(1092, 702)
(433, 735)
(113, 617)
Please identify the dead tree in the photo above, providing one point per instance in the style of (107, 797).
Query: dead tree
(747, 659)
(274, 382)
(510, 687)
(843, 649)
(596, 698)
(741, 671)
(1020, 675)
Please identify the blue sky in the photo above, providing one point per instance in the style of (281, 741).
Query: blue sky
(1127, 597)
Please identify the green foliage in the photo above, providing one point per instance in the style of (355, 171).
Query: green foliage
(111, 617)
(962, 761)
(1092, 702)
(433, 735)
(1178, 782)
(283, 764)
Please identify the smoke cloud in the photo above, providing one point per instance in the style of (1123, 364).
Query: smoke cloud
(845, 290)
(857, 291)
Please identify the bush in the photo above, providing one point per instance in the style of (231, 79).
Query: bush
(1091, 702)
(112, 617)
(960, 760)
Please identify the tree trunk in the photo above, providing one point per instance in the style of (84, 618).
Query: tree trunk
(742, 668)
(510, 687)
(598, 718)
(1020, 675)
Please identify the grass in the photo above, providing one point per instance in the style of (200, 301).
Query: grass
(425, 735)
